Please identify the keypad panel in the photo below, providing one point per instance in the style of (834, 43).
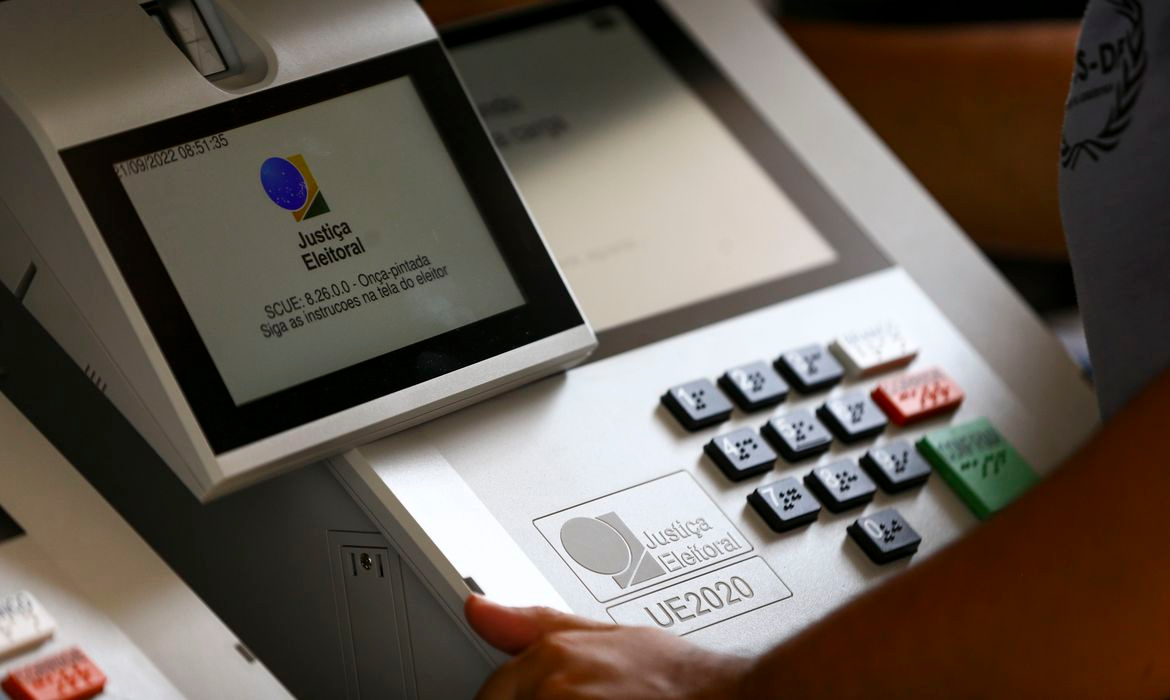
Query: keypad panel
(740, 454)
(985, 471)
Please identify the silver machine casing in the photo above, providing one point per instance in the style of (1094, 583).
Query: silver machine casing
(121, 72)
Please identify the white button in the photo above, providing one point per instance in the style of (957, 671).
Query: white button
(24, 623)
(873, 350)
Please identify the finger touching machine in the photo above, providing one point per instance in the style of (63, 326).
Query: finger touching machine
(327, 321)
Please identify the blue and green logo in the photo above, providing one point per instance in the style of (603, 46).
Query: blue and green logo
(289, 183)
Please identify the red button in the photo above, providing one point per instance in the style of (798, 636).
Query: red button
(913, 397)
(68, 675)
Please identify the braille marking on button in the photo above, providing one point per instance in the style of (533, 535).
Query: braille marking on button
(852, 417)
(840, 485)
(810, 368)
(874, 350)
(784, 504)
(797, 435)
(740, 454)
(910, 398)
(24, 623)
(884, 536)
(979, 464)
(754, 386)
(66, 675)
(896, 466)
(697, 404)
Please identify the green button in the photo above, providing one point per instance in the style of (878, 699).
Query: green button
(979, 464)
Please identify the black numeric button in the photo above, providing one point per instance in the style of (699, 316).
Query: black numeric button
(697, 404)
(784, 504)
(797, 435)
(811, 368)
(852, 417)
(896, 466)
(840, 485)
(740, 454)
(885, 536)
(754, 386)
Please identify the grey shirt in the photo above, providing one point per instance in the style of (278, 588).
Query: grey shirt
(1115, 192)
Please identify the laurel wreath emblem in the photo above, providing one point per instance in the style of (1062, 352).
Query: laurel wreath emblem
(1125, 95)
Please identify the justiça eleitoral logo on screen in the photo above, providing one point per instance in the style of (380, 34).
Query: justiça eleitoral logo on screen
(289, 183)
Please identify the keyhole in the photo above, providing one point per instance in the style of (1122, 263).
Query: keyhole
(367, 562)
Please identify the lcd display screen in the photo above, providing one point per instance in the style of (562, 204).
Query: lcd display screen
(320, 244)
(320, 238)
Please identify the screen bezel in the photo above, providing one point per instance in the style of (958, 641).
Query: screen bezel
(856, 253)
(548, 308)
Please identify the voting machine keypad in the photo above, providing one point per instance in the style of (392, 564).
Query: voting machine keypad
(810, 368)
(979, 464)
(798, 435)
(896, 466)
(754, 386)
(785, 504)
(885, 536)
(697, 404)
(740, 454)
(840, 485)
(852, 417)
(974, 459)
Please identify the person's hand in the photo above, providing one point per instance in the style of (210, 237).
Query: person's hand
(564, 657)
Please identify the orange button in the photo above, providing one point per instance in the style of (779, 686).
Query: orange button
(917, 396)
(67, 675)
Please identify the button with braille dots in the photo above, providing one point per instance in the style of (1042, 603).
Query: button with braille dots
(917, 396)
(874, 350)
(785, 504)
(697, 404)
(811, 368)
(66, 675)
(979, 464)
(740, 454)
(852, 417)
(840, 485)
(896, 466)
(797, 435)
(884, 536)
(754, 386)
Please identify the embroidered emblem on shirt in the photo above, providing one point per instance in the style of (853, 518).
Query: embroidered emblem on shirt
(1117, 69)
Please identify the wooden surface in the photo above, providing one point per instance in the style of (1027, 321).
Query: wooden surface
(444, 12)
(975, 111)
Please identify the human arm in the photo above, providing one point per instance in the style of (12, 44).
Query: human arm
(1064, 594)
